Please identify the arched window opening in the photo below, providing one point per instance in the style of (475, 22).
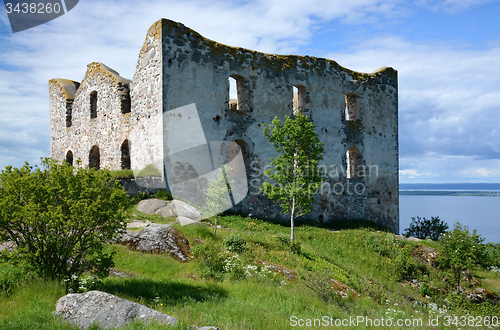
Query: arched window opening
(125, 102)
(125, 155)
(69, 157)
(93, 104)
(94, 158)
(354, 163)
(237, 93)
(299, 99)
(351, 107)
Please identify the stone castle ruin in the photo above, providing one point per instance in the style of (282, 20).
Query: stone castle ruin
(108, 121)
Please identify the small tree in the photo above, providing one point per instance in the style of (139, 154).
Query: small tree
(217, 197)
(60, 218)
(296, 171)
(462, 250)
(423, 228)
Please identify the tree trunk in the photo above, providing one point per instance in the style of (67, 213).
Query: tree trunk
(215, 227)
(292, 236)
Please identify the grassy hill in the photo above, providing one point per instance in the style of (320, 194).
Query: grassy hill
(265, 286)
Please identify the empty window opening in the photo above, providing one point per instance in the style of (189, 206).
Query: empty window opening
(94, 158)
(69, 157)
(354, 163)
(125, 155)
(93, 104)
(234, 149)
(237, 93)
(351, 107)
(125, 102)
(299, 99)
(69, 113)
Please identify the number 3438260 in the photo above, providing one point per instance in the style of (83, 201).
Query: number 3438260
(33, 8)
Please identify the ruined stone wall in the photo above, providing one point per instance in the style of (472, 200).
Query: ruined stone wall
(146, 93)
(355, 114)
(108, 130)
(196, 70)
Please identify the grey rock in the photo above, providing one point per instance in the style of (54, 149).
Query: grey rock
(110, 311)
(138, 223)
(149, 206)
(179, 209)
(159, 238)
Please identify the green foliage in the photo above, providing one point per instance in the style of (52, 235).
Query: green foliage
(163, 194)
(235, 243)
(406, 266)
(12, 271)
(423, 228)
(355, 224)
(295, 171)
(212, 261)
(462, 250)
(122, 174)
(60, 217)
(426, 290)
(492, 251)
(217, 197)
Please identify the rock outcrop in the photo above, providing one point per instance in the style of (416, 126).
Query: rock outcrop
(109, 311)
(179, 208)
(149, 206)
(159, 238)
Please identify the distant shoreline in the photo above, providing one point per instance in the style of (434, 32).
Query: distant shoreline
(448, 193)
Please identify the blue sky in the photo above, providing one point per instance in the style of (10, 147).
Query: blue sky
(447, 54)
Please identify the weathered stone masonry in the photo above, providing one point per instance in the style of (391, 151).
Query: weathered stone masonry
(356, 117)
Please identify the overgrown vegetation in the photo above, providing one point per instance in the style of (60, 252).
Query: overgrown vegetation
(423, 228)
(296, 170)
(246, 278)
(60, 218)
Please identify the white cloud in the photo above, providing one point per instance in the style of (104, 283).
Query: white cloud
(449, 93)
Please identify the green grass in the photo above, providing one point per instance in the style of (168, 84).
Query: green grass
(367, 259)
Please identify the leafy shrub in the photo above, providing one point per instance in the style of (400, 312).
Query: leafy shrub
(163, 194)
(462, 251)
(492, 251)
(60, 218)
(285, 242)
(423, 228)
(235, 243)
(406, 266)
(212, 260)
(12, 271)
(426, 290)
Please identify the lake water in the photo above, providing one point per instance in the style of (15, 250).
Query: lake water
(477, 212)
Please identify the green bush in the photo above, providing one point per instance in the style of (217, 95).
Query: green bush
(163, 194)
(60, 218)
(235, 243)
(212, 261)
(406, 266)
(462, 251)
(12, 271)
(423, 228)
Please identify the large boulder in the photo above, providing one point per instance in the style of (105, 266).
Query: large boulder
(149, 206)
(110, 311)
(179, 209)
(159, 238)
